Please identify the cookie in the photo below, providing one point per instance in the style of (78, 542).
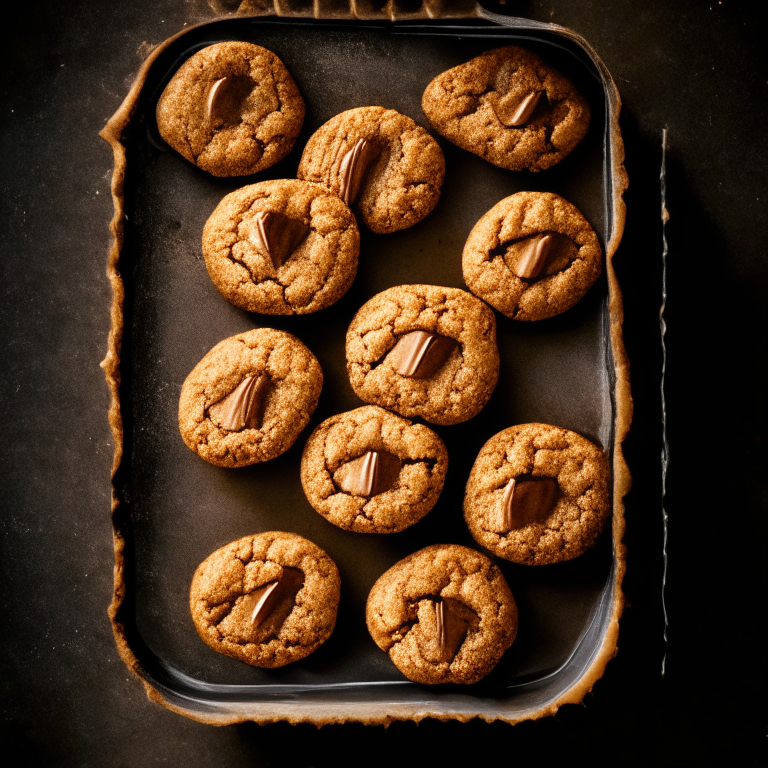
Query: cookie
(422, 350)
(247, 400)
(268, 600)
(444, 615)
(509, 107)
(281, 247)
(373, 472)
(538, 494)
(379, 162)
(532, 256)
(232, 109)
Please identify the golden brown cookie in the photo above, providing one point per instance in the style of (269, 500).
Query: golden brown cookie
(232, 109)
(282, 247)
(249, 398)
(381, 164)
(423, 350)
(538, 494)
(267, 600)
(509, 107)
(532, 256)
(370, 471)
(444, 615)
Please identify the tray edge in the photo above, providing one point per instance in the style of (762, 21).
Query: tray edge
(112, 133)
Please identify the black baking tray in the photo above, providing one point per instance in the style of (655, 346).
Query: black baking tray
(172, 509)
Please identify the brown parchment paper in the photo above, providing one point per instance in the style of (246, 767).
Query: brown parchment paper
(325, 712)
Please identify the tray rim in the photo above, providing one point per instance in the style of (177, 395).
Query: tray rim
(376, 713)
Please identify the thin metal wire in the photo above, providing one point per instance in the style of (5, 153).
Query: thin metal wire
(665, 444)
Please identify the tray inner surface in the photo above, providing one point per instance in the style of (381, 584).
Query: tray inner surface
(554, 371)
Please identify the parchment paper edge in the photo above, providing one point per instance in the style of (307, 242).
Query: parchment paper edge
(323, 715)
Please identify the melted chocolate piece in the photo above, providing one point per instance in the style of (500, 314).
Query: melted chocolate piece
(242, 407)
(528, 501)
(419, 354)
(532, 259)
(514, 111)
(276, 236)
(546, 252)
(269, 605)
(453, 622)
(353, 167)
(225, 100)
(370, 474)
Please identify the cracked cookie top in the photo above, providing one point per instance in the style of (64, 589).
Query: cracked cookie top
(380, 162)
(532, 256)
(267, 600)
(370, 471)
(445, 373)
(444, 615)
(232, 109)
(249, 398)
(538, 494)
(509, 107)
(281, 247)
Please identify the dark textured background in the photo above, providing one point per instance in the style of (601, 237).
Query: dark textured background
(697, 68)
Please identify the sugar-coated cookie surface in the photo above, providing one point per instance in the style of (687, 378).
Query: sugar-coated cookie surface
(267, 600)
(249, 398)
(509, 107)
(383, 165)
(232, 109)
(371, 471)
(281, 247)
(424, 350)
(532, 256)
(444, 615)
(538, 494)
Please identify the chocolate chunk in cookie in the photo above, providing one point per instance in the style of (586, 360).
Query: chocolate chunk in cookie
(532, 256)
(351, 168)
(232, 109)
(249, 398)
(444, 615)
(368, 475)
(380, 162)
(277, 236)
(509, 107)
(538, 494)
(526, 501)
(371, 471)
(267, 600)
(422, 350)
(420, 355)
(243, 406)
(282, 247)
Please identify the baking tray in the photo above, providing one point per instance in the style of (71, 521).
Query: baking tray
(171, 509)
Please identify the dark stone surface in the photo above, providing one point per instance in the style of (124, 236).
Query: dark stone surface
(696, 68)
